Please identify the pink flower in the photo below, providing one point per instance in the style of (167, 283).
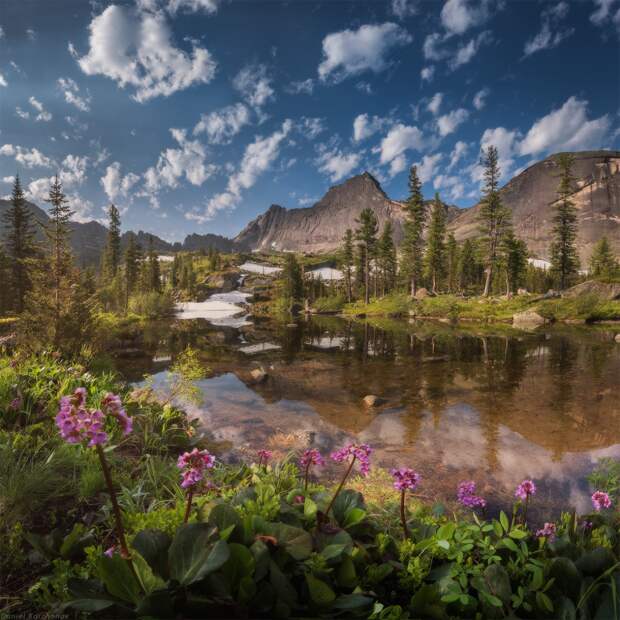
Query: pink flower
(525, 490)
(112, 406)
(194, 464)
(548, 531)
(15, 404)
(600, 500)
(299, 499)
(311, 457)
(264, 456)
(360, 452)
(110, 551)
(405, 478)
(466, 495)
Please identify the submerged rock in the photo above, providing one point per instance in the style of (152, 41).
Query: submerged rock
(528, 319)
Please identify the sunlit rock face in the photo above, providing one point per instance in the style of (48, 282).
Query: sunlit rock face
(531, 196)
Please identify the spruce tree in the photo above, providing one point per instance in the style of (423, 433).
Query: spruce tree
(436, 246)
(153, 271)
(132, 268)
(293, 286)
(452, 263)
(515, 261)
(20, 246)
(58, 232)
(387, 258)
(366, 236)
(564, 257)
(347, 262)
(603, 263)
(112, 253)
(493, 217)
(413, 241)
(468, 265)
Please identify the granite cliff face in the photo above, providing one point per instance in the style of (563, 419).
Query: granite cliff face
(531, 197)
(321, 227)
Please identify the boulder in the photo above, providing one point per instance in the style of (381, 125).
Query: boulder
(422, 293)
(551, 294)
(223, 282)
(371, 400)
(528, 319)
(604, 290)
(258, 375)
(617, 338)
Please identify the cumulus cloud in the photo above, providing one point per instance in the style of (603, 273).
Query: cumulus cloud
(135, 49)
(22, 113)
(550, 34)
(365, 126)
(337, 164)
(427, 73)
(450, 184)
(458, 152)
(351, 52)
(42, 113)
(71, 93)
(566, 129)
(432, 47)
(404, 8)
(458, 16)
(115, 184)
(305, 87)
(3, 82)
(465, 53)
(221, 126)
(398, 140)
(311, 127)
(435, 103)
(29, 158)
(254, 84)
(479, 100)
(258, 157)
(603, 12)
(448, 123)
(192, 6)
(506, 142)
(188, 161)
(427, 166)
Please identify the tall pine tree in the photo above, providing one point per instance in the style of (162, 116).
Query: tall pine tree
(132, 268)
(515, 261)
(366, 236)
(20, 246)
(436, 246)
(564, 257)
(493, 217)
(112, 252)
(347, 262)
(452, 263)
(603, 263)
(469, 269)
(386, 255)
(413, 241)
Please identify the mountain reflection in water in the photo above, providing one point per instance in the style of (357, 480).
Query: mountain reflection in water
(493, 406)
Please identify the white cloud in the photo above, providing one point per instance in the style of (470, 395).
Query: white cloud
(451, 184)
(254, 85)
(337, 164)
(435, 103)
(73, 171)
(448, 123)
(43, 114)
(221, 126)
(22, 113)
(31, 33)
(188, 161)
(458, 152)
(257, 159)
(427, 167)
(311, 128)
(399, 139)
(432, 47)
(135, 49)
(1, 32)
(466, 52)
(365, 126)
(566, 129)
(115, 184)
(603, 11)
(351, 52)
(29, 158)
(427, 73)
(3, 82)
(304, 86)
(364, 87)
(457, 16)
(506, 143)
(404, 8)
(71, 92)
(480, 98)
(208, 6)
(550, 34)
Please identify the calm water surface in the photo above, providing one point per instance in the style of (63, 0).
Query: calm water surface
(495, 406)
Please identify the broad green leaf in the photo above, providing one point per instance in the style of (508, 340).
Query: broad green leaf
(446, 531)
(544, 602)
(498, 582)
(118, 578)
(510, 544)
(192, 557)
(310, 508)
(333, 552)
(346, 500)
(224, 517)
(297, 542)
(153, 546)
(240, 564)
(320, 592)
(354, 516)
(518, 534)
(567, 576)
(282, 586)
(261, 559)
(346, 574)
(503, 519)
(444, 544)
(349, 602)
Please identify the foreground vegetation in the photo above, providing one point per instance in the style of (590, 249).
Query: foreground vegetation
(195, 537)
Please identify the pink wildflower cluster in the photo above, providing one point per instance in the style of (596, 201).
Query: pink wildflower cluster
(15, 404)
(525, 490)
(264, 456)
(77, 423)
(466, 495)
(360, 452)
(113, 407)
(193, 465)
(405, 478)
(548, 531)
(600, 500)
(311, 457)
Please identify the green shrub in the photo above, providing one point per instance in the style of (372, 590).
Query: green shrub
(152, 305)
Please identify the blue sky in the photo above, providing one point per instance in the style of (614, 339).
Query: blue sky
(196, 115)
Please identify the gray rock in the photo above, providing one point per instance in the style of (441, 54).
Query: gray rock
(605, 290)
(528, 320)
(617, 338)
(422, 293)
(371, 400)
(258, 375)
